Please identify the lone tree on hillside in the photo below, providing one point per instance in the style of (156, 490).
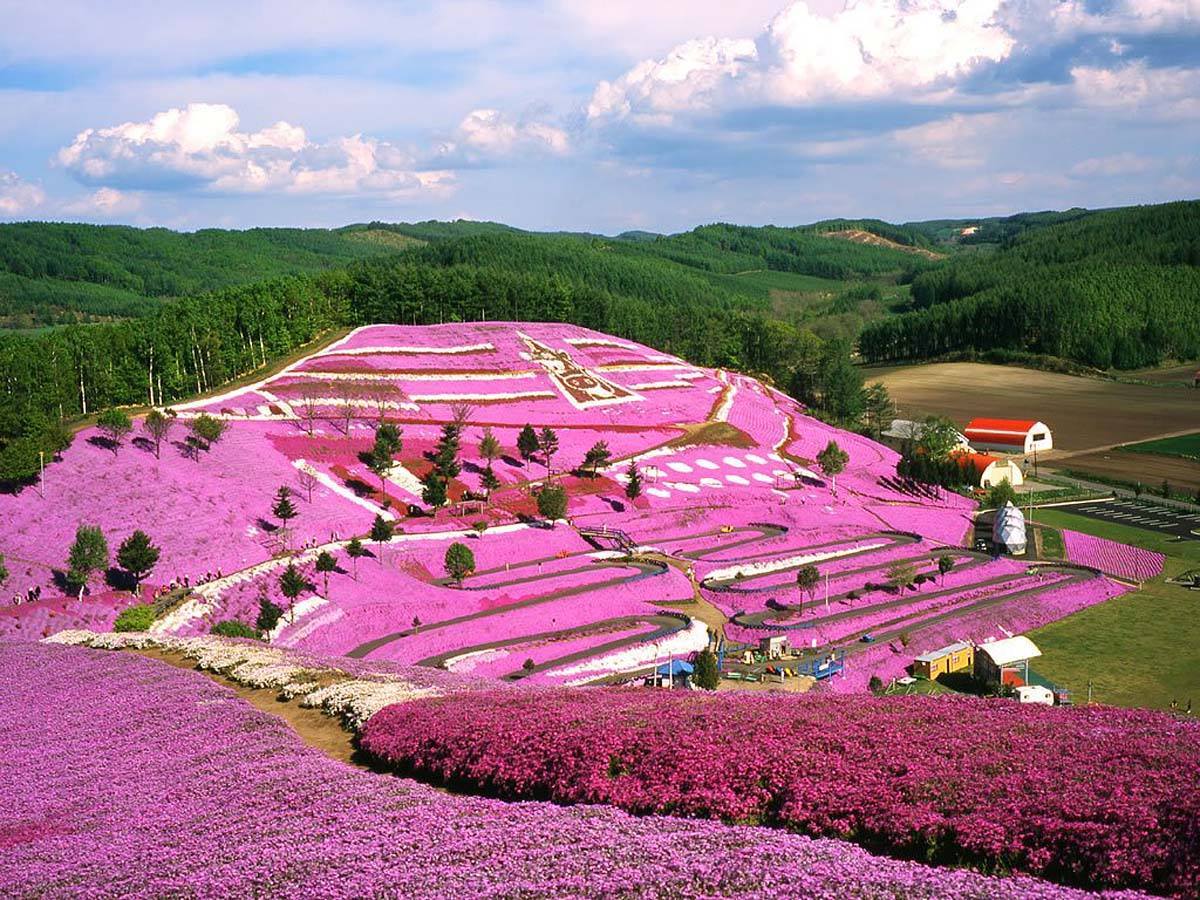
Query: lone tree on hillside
(459, 562)
(88, 554)
(598, 457)
(832, 461)
(548, 441)
(308, 481)
(3, 570)
(347, 394)
(633, 489)
(461, 415)
(292, 584)
(527, 443)
(356, 551)
(205, 432)
(445, 454)
(552, 502)
(379, 459)
(1000, 494)
(158, 426)
(381, 533)
(878, 409)
(489, 481)
(137, 556)
(284, 509)
(326, 564)
(310, 396)
(807, 579)
(901, 576)
(944, 565)
(116, 427)
(268, 615)
(489, 447)
(705, 674)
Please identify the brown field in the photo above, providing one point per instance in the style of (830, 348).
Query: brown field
(1083, 413)
(1148, 468)
(1173, 375)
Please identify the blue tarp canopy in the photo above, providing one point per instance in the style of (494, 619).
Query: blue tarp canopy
(675, 667)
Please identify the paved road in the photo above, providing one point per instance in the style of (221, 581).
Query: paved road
(1140, 514)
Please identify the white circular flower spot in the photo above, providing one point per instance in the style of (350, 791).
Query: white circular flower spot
(736, 479)
(765, 479)
(756, 459)
(707, 464)
(679, 467)
(686, 488)
(733, 462)
(711, 482)
(658, 492)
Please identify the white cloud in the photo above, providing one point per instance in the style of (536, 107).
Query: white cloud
(491, 133)
(906, 49)
(200, 146)
(1115, 165)
(18, 197)
(1167, 93)
(1128, 17)
(105, 203)
(959, 142)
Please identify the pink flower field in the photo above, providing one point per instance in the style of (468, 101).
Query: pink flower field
(730, 490)
(1121, 560)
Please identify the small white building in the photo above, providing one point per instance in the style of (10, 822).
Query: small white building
(987, 471)
(1008, 529)
(1006, 661)
(902, 430)
(1009, 435)
(1035, 693)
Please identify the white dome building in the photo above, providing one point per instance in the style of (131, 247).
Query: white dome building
(1008, 530)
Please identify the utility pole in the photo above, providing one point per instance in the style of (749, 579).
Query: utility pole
(42, 473)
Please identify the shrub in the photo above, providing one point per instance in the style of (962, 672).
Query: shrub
(875, 684)
(138, 617)
(232, 628)
(268, 615)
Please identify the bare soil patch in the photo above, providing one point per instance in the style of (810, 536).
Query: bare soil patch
(858, 236)
(719, 434)
(1083, 413)
(1148, 468)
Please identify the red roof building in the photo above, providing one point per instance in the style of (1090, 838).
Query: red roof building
(1009, 435)
(988, 471)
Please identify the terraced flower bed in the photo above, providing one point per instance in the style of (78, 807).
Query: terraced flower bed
(1122, 560)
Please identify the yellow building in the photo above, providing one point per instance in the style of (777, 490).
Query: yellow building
(953, 658)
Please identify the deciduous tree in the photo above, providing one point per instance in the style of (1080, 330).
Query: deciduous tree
(137, 556)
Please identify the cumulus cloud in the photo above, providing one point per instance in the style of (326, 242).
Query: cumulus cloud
(491, 133)
(18, 197)
(1128, 17)
(1166, 93)
(201, 146)
(105, 203)
(1114, 165)
(958, 142)
(910, 49)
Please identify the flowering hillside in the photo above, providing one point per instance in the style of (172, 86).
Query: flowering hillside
(1098, 797)
(113, 763)
(732, 503)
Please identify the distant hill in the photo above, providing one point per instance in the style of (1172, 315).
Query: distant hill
(54, 273)
(1118, 288)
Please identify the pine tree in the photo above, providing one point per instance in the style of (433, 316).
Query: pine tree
(597, 457)
(355, 550)
(326, 564)
(206, 431)
(944, 565)
(489, 481)
(552, 502)
(445, 454)
(433, 489)
(489, 447)
(137, 556)
(381, 532)
(381, 457)
(633, 489)
(292, 584)
(548, 441)
(527, 443)
(705, 674)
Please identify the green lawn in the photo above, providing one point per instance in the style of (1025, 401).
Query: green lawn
(1187, 446)
(1139, 649)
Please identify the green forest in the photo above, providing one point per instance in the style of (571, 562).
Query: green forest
(110, 316)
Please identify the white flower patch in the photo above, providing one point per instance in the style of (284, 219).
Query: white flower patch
(658, 492)
(733, 462)
(356, 700)
(598, 342)
(484, 398)
(405, 480)
(715, 389)
(707, 464)
(653, 385)
(786, 562)
(323, 620)
(775, 456)
(305, 607)
(736, 479)
(711, 482)
(684, 487)
(468, 661)
(726, 404)
(418, 351)
(688, 640)
(679, 467)
(756, 459)
(342, 491)
(765, 479)
(780, 473)
(419, 376)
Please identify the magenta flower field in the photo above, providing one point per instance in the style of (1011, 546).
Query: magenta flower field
(1111, 557)
(114, 763)
(1098, 797)
(730, 488)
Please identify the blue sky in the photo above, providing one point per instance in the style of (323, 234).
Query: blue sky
(598, 116)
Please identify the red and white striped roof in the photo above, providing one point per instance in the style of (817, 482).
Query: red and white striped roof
(1000, 431)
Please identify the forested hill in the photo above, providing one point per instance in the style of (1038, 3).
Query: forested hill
(1119, 288)
(53, 273)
